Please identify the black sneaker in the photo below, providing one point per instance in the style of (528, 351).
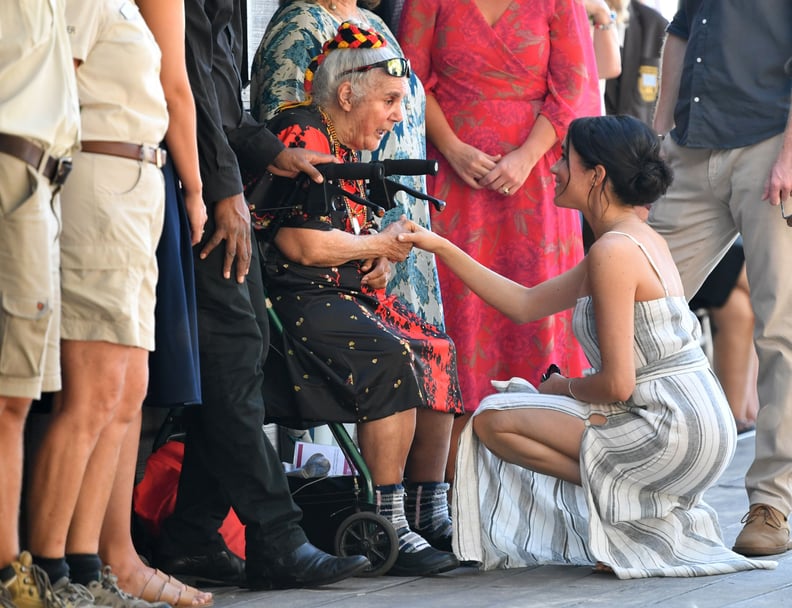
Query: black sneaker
(425, 562)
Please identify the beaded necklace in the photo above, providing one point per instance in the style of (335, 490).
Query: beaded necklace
(355, 212)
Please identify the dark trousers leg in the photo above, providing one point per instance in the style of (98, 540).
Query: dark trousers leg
(228, 459)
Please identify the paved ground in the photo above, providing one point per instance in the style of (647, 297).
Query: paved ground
(557, 586)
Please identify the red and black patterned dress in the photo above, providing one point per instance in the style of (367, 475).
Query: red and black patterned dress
(352, 354)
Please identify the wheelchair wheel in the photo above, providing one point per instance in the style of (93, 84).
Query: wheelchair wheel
(369, 534)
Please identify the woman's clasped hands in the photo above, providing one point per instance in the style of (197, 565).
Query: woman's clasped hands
(502, 173)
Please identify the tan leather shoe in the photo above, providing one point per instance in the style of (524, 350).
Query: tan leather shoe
(766, 532)
(30, 587)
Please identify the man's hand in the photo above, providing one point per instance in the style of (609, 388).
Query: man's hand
(232, 225)
(376, 273)
(778, 185)
(292, 161)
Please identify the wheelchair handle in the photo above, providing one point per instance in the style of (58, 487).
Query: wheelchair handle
(410, 166)
(351, 171)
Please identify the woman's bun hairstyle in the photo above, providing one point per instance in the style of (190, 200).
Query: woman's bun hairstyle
(630, 153)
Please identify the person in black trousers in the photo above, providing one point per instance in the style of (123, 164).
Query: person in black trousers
(228, 460)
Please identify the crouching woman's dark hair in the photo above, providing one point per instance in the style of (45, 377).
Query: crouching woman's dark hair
(630, 153)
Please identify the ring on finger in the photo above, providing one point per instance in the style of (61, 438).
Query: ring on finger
(505, 190)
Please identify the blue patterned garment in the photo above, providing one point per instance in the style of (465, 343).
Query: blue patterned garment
(294, 36)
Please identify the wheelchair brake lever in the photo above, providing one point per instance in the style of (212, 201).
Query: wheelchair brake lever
(392, 187)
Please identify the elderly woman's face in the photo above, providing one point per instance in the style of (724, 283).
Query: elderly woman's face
(374, 114)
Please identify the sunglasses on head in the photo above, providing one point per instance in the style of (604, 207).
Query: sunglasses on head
(398, 67)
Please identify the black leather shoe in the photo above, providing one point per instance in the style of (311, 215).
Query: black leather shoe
(221, 567)
(423, 563)
(441, 542)
(306, 566)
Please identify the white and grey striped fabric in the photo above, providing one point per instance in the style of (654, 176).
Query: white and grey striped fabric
(640, 508)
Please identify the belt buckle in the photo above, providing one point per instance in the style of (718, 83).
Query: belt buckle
(159, 157)
(63, 167)
(62, 170)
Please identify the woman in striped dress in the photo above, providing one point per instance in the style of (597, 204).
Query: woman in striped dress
(610, 468)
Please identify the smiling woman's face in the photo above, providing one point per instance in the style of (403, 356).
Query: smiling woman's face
(573, 181)
(375, 113)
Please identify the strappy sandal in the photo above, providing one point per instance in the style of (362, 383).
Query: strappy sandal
(161, 587)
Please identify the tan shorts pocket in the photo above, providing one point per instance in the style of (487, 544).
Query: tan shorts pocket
(23, 334)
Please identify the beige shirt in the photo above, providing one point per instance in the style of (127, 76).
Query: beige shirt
(121, 97)
(38, 94)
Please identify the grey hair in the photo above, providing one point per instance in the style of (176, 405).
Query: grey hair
(330, 74)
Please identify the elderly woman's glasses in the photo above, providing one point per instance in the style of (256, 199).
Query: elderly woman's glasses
(398, 67)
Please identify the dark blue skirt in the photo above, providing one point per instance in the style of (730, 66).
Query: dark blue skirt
(174, 372)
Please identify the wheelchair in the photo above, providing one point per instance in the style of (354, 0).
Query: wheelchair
(339, 513)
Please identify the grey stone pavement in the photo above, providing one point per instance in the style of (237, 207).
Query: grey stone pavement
(557, 586)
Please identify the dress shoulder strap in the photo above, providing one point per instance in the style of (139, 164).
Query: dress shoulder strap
(648, 257)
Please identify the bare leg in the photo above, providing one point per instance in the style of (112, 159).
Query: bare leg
(541, 440)
(93, 381)
(100, 473)
(751, 392)
(115, 542)
(13, 411)
(430, 446)
(456, 430)
(426, 503)
(733, 349)
(385, 443)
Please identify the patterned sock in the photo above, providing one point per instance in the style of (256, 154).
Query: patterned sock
(84, 567)
(390, 504)
(55, 567)
(427, 508)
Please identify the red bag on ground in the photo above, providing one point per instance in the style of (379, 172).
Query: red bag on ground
(154, 497)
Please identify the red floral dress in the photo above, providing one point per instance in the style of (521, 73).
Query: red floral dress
(491, 83)
(350, 353)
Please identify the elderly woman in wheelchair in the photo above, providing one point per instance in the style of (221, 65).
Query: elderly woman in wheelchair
(352, 353)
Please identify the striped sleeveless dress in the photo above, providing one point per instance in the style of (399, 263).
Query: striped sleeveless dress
(639, 509)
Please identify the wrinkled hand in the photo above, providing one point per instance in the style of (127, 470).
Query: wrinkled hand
(556, 384)
(376, 273)
(292, 161)
(471, 164)
(196, 214)
(232, 225)
(509, 173)
(778, 185)
(393, 248)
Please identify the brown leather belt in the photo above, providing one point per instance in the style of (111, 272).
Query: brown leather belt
(56, 170)
(149, 154)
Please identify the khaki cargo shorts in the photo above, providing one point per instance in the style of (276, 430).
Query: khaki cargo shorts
(29, 282)
(113, 210)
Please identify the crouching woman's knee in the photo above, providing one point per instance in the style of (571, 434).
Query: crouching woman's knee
(486, 426)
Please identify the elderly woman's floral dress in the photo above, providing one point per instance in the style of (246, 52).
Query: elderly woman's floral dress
(351, 353)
